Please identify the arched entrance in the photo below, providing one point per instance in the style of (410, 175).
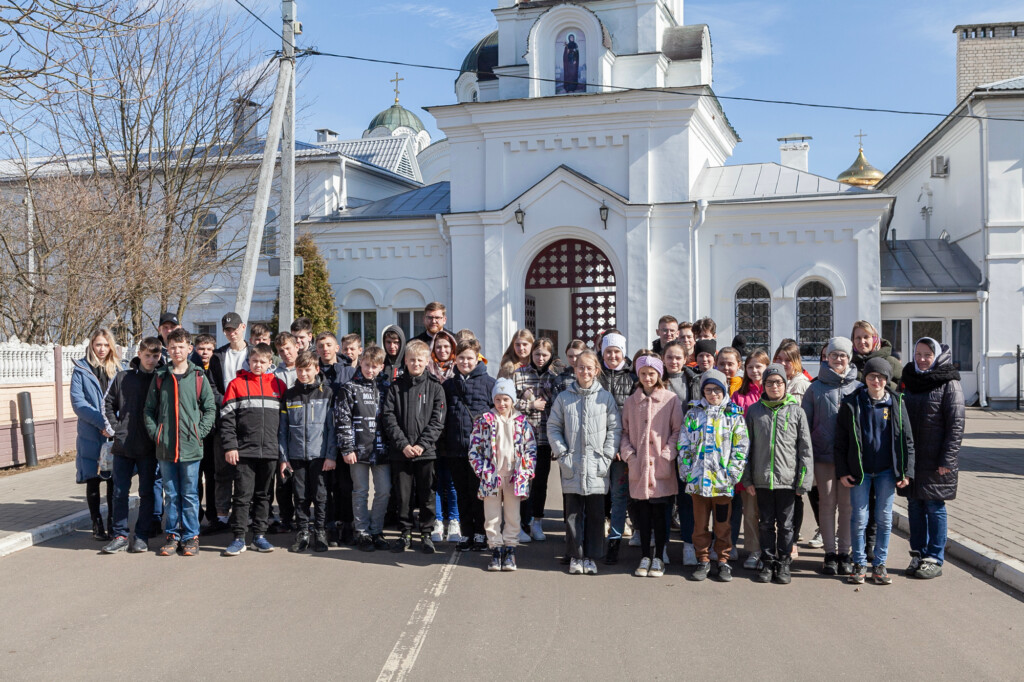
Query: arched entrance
(570, 292)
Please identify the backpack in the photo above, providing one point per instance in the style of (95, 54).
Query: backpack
(199, 384)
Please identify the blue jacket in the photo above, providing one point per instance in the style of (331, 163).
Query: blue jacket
(468, 397)
(87, 402)
(306, 429)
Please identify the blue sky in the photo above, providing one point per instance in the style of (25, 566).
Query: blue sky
(894, 55)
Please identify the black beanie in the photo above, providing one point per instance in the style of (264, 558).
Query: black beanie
(878, 366)
(705, 346)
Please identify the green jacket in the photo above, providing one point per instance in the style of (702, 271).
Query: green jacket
(780, 447)
(176, 418)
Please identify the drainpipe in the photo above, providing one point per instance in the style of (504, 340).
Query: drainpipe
(448, 243)
(982, 295)
(700, 210)
(982, 368)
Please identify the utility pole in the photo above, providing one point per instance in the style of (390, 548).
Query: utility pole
(284, 99)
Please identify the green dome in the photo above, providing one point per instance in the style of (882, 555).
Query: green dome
(482, 58)
(394, 117)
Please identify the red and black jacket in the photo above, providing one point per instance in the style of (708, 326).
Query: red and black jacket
(251, 415)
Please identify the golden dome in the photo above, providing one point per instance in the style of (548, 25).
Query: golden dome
(861, 173)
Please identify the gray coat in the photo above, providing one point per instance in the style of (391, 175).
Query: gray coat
(821, 403)
(780, 447)
(584, 431)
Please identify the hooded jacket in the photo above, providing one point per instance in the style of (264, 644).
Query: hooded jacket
(935, 404)
(712, 448)
(357, 419)
(178, 419)
(780, 446)
(584, 432)
(619, 382)
(442, 371)
(483, 453)
(250, 419)
(306, 429)
(850, 436)
(650, 431)
(535, 383)
(885, 352)
(413, 414)
(467, 397)
(821, 403)
(797, 386)
(394, 365)
(124, 409)
(87, 403)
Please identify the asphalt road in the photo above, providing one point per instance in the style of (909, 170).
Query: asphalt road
(70, 612)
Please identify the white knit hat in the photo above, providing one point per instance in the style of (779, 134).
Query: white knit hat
(504, 387)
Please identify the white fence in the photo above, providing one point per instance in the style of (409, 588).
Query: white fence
(25, 363)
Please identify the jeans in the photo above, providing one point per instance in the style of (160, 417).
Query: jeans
(884, 485)
(445, 499)
(927, 528)
(181, 498)
(254, 479)
(124, 469)
(307, 488)
(618, 475)
(370, 520)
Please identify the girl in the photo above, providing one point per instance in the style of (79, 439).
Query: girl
(584, 432)
(503, 453)
(935, 403)
(651, 420)
(442, 356)
(89, 382)
(748, 394)
(680, 380)
(867, 344)
(535, 387)
(446, 501)
(779, 469)
(568, 375)
(797, 381)
(517, 354)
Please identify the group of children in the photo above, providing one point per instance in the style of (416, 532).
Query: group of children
(684, 433)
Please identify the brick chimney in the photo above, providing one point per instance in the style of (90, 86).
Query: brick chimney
(986, 53)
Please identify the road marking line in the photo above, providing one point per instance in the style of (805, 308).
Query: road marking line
(407, 648)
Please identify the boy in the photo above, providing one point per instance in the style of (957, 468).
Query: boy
(249, 430)
(705, 328)
(336, 371)
(728, 363)
(874, 450)
(180, 411)
(339, 480)
(124, 408)
(687, 339)
(259, 333)
(467, 396)
(618, 379)
(704, 359)
(668, 330)
(351, 349)
(413, 416)
(225, 363)
(712, 455)
(202, 351)
(306, 440)
(392, 340)
(302, 330)
(361, 445)
(288, 349)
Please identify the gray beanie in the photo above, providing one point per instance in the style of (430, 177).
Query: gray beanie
(773, 370)
(715, 378)
(878, 366)
(840, 344)
(504, 386)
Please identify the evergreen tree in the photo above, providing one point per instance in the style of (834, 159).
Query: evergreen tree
(314, 295)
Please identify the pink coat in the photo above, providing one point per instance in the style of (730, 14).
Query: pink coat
(745, 400)
(650, 431)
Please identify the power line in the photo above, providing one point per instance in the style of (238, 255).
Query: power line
(260, 19)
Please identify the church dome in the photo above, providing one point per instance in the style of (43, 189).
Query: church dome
(861, 173)
(394, 117)
(482, 58)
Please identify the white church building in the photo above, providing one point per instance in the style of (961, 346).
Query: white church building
(582, 184)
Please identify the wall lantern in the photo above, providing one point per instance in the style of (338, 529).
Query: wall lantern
(604, 214)
(521, 218)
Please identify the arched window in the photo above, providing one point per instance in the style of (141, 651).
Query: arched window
(269, 245)
(207, 235)
(754, 314)
(813, 318)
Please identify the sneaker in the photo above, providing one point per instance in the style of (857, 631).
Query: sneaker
(524, 537)
(702, 570)
(845, 564)
(427, 544)
(301, 543)
(118, 544)
(365, 543)
(689, 555)
(465, 546)
(930, 568)
(348, 534)
(261, 544)
(724, 572)
(856, 576)
(191, 546)
(139, 546)
(816, 542)
(657, 569)
(611, 555)
(634, 540)
(915, 563)
(401, 544)
(753, 559)
(880, 575)
(169, 547)
(644, 568)
(831, 564)
(783, 573)
(332, 537)
(508, 563)
(98, 531)
(214, 527)
(454, 531)
(275, 527)
(320, 543)
(575, 567)
(589, 567)
(437, 535)
(537, 532)
(479, 543)
(764, 572)
(236, 547)
(495, 563)
(380, 543)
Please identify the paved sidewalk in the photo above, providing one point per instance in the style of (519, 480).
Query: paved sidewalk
(35, 498)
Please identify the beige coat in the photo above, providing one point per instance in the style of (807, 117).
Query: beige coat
(650, 430)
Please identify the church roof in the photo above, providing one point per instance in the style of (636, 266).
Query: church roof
(933, 265)
(423, 202)
(762, 181)
(395, 154)
(482, 58)
(394, 117)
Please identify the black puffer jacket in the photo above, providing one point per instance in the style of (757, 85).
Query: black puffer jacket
(124, 407)
(884, 352)
(619, 382)
(935, 403)
(467, 397)
(357, 413)
(413, 414)
(394, 365)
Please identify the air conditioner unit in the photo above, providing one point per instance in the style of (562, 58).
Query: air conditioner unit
(940, 167)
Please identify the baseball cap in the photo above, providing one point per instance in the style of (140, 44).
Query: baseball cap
(166, 318)
(231, 321)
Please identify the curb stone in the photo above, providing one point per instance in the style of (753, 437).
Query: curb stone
(66, 525)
